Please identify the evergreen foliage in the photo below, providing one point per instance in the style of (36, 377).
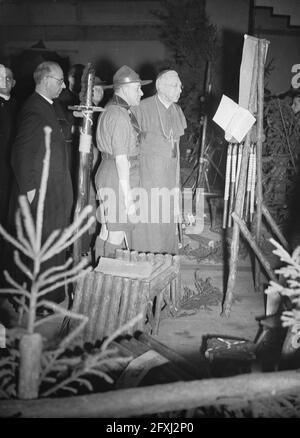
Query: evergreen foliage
(192, 41)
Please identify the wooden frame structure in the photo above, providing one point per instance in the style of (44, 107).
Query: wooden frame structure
(111, 301)
(254, 137)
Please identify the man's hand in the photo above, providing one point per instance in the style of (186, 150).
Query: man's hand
(130, 206)
(31, 195)
(77, 114)
(97, 94)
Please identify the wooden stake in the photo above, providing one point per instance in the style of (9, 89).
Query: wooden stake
(232, 183)
(248, 190)
(239, 160)
(262, 48)
(114, 307)
(239, 203)
(94, 307)
(246, 233)
(253, 184)
(274, 227)
(105, 300)
(124, 301)
(30, 365)
(227, 185)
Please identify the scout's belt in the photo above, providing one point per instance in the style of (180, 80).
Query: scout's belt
(106, 156)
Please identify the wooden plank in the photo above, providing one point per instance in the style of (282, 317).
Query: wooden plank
(31, 346)
(158, 306)
(144, 296)
(126, 255)
(125, 267)
(134, 256)
(119, 254)
(172, 355)
(102, 315)
(131, 309)
(159, 398)
(78, 293)
(94, 307)
(178, 286)
(171, 370)
(142, 256)
(114, 306)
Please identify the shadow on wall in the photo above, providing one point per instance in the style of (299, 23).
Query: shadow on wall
(146, 71)
(105, 70)
(24, 64)
(232, 56)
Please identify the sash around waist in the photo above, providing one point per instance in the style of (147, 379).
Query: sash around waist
(162, 148)
(106, 156)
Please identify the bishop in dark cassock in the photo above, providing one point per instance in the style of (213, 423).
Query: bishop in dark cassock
(162, 123)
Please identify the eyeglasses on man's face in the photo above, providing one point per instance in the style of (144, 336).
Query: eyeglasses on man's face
(180, 86)
(60, 81)
(7, 79)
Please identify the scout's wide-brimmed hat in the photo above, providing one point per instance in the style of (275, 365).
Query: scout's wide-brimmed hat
(98, 81)
(125, 75)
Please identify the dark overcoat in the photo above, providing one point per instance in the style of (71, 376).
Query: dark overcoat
(8, 110)
(27, 160)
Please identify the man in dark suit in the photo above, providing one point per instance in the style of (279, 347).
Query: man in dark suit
(28, 153)
(8, 109)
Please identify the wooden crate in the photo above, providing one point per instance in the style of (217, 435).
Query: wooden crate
(110, 301)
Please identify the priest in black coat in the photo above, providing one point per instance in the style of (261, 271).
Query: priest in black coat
(8, 110)
(28, 153)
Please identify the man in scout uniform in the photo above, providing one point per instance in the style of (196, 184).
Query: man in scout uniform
(118, 138)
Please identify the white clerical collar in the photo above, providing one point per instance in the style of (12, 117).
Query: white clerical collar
(4, 96)
(47, 98)
(165, 104)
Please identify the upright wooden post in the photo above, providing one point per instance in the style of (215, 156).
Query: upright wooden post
(31, 346)
(239, 203)
(262, 47)
(85, 156)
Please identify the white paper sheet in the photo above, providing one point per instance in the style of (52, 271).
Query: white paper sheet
(234, 119)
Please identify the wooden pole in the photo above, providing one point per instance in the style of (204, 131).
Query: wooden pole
(239, 160)
(105, 300)
(274, 227)
(94, 306)
(227, 185)
(262, 47)
(114, 307)
(170, 354)
(84, 167)
(85, 154)
(246, 233)
(253, 184)
(248, 189)
(154, 399)
(127, 282)
(232, 183)
(31, 346)
(239, 203)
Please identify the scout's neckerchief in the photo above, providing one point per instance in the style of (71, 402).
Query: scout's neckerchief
(117, 100)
